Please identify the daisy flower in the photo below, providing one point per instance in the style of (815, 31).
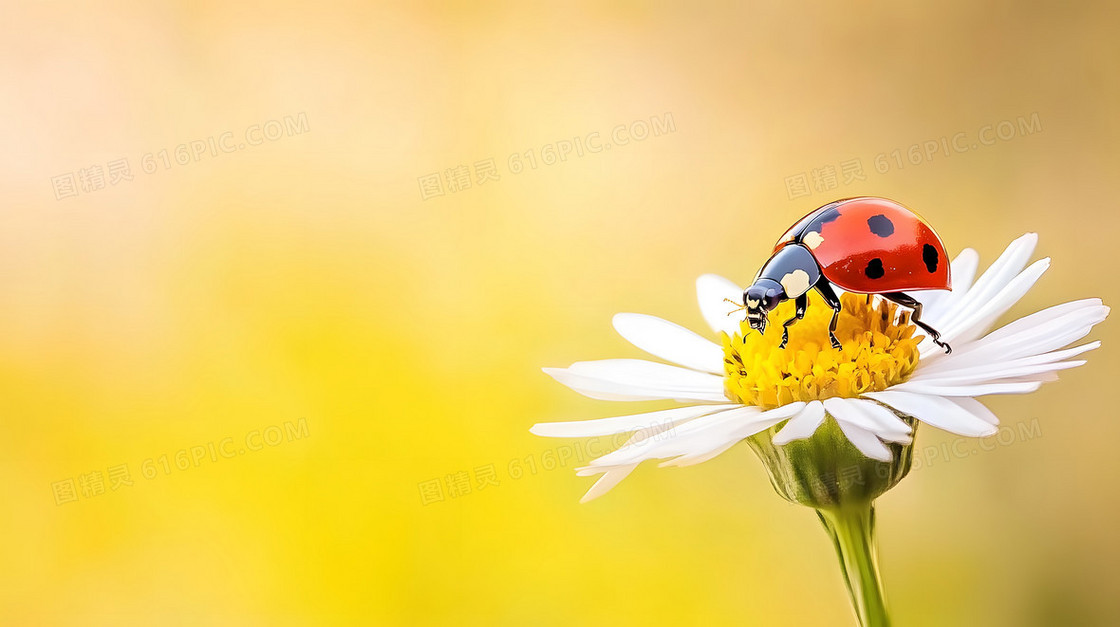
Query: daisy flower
(833, 426)
(870, 393)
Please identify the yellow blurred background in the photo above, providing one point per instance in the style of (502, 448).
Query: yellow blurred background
(296, 270)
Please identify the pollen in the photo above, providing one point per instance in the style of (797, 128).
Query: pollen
(878, 350)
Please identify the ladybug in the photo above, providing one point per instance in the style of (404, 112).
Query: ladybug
(867, 245)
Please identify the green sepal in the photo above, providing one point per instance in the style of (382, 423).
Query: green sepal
(825, 471)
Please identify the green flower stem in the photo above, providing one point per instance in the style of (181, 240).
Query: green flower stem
(852, 529)
(830, 475)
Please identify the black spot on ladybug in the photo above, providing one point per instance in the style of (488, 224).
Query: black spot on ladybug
(930, 256)
(874, 269)
(881, 225)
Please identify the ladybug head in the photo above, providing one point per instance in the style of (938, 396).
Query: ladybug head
(760, 299)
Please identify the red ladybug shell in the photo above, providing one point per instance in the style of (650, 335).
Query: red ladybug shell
(872, 246)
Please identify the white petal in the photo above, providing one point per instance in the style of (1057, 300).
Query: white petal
(865, 441)
(976, 408)
(612, 475)
(669, 341)
(1009, 264)
(736, 431)
(711, 290)
(664, 419)
(649, 373)
(1034, 334)
(1045, 377)
(607, 482)
(936, 411)
(803, 425)
(636, 379)
(702, 435)
(890, 426)
(1047, 316)
(841, 411)
(640, 449)
(992, 373)
(973, 323)
(692, 460)
(851, 411)
(930, 299)
(967, 389)
(937, 302)
(602, 390)
(966, 364)
(1043, 339)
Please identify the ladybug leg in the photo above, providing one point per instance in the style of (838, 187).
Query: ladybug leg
(801, 303)
(824, 288)
(909, 301)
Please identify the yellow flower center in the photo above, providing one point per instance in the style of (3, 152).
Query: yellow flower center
(877, 351)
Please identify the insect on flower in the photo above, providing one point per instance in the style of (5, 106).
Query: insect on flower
(813, 414)
(866, 245)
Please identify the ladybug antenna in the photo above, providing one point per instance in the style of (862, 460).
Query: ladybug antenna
(736, 310)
